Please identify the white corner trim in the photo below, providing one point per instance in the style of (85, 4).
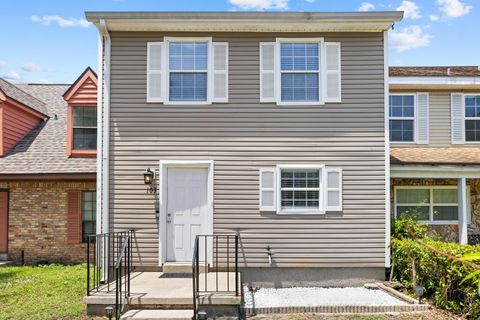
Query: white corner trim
(387, 149)
(164, 165)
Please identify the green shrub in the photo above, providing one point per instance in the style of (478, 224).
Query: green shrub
(442, 277)
(408, 221)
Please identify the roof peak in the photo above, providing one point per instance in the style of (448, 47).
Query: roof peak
(15, 93)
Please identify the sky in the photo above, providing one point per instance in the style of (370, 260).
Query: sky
(49, 41)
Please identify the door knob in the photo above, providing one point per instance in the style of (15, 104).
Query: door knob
(169, 218)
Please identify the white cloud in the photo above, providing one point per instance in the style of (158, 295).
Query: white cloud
(12, 76)
(409, 38)
(260, 5)
(32, 67)
(454, 8)
(62, 22)
(366, 6)
(434, 17)
(3, 64)
(412, 11)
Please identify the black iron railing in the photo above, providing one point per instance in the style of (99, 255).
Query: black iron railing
(109, 265)
(217, 255)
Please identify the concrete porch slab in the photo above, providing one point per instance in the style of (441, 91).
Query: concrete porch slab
(154, 289)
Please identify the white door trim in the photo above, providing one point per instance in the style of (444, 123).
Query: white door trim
(164, 165)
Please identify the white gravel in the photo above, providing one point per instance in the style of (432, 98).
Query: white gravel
(294, 297)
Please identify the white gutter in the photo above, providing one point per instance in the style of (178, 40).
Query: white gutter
(436, 80)
(387, 150)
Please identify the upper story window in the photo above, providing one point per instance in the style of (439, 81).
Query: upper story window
(84, 133)
(188, 71)
(402, 118)
(300, 72)
(472, 118)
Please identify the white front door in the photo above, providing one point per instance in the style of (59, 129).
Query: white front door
(187, 210)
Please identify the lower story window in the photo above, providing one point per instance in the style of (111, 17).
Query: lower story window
(89, 214)
(300, 189)
(430, 204)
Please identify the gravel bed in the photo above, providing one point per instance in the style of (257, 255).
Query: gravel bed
(295, 297)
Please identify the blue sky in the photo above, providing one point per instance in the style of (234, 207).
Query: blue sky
(49, 40)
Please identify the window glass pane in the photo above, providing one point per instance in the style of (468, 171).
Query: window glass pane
(445, 213)
(300, 181)
(89, 202)
(472, 130)
(188, 55)
(402, 106)
(413, 196)
(84, 117)
(421, 212)
(188, 86)
(445, 196)
(299, 56)
(299, 87)
(84, 139)
(401, 130)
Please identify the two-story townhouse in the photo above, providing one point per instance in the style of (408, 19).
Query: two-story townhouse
(47, 170)
(266, 125)
(435, 156)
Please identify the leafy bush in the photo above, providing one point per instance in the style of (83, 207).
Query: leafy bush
(408, 221)
(445, 280)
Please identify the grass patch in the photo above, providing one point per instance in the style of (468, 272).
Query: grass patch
(47, 292)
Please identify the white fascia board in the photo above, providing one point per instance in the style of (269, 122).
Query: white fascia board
(436, 80)
(434, 171)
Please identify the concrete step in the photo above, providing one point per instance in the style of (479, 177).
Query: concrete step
(136, 314)
(182, 267)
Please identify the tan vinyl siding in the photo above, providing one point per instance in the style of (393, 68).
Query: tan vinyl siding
(245, 135)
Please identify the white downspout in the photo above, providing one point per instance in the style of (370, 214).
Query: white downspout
(387, 150)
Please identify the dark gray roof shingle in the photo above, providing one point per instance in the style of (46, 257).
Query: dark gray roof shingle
(44, 149)
(17, 94)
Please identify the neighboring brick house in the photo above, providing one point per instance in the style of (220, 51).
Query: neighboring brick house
(48, 169)
(434, 119)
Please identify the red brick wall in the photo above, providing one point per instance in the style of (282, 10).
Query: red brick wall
(38, 221)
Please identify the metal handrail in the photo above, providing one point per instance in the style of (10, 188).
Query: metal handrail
(214, 261)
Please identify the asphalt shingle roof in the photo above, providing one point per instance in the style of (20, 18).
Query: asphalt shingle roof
(44, 149)
(453, 71)
(23, 97)
(435, 155)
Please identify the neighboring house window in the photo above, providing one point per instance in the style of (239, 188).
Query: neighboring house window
(437, 204)
(300, 189)
(300, 72)
(89, 214)
(84, 128)
(188, 71)
(472, 118)
(402, 118)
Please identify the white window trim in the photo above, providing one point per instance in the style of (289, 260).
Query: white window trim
(465, 118)
(166, 79)
(321, 72)
(321, 189)
(431, 204)
(414, 118)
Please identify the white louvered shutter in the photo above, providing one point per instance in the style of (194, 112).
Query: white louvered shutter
(333, 72)
(422, 118)
(267, 71)
(457, 111)
(267, 189)
(333, 189)
(155, 51)
(220, 72)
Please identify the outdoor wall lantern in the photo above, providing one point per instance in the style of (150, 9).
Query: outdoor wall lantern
(109, 312)
(149, 179)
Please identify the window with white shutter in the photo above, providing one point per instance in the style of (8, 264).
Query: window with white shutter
(155, 51)
(334, 189)
(267, 189)
(422, 118)
(220, 72)
(333, 71)
(472, 118)
(267, 71)
(457, 114)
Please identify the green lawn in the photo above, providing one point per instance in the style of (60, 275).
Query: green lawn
(49, 292)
